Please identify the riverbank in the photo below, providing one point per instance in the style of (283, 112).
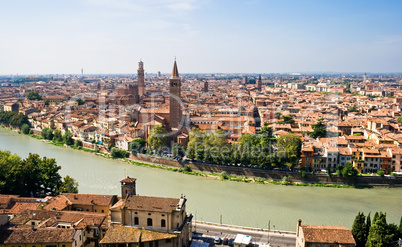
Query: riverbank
(239, 174)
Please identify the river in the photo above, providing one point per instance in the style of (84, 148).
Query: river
(239, 203)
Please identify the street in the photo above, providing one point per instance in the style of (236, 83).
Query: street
(208, 231)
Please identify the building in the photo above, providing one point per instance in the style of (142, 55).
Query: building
(323, 236)
(175, 109)
(140, 78)
(164, 220)
(259, 83)
(14, 107)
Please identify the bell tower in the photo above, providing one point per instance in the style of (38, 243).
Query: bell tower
(127, 187)
(141, 80)
(259, 83)
(175, 110)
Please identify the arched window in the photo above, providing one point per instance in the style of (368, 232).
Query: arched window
(163, 223)
(136, 221)
(149, 222)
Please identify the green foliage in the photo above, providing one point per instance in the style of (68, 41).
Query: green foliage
(378, 233)
(187, 168)
(78, 143)
(118, 153)
(319, 129)
(359, 230)
(25, 128)
(13, 118)
(224, 175)
(69, 185)
(289, 146)
(57, 137)
(137, 146)
(349, 171)
(178, 150)
(357, 134)
(303, 174)
(380, 173)
(68, 138)
(31, 176)
(34, 95)
(286, 119)
(353, 109)
(158, 138)
(399, 119)
(47, 134)
(80, 101)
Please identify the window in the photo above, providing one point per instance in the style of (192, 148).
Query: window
(96, 210)
(136, 221)
(103, 211)
(149, 222)
(168, 240)
(63, 245)
(33, 223)
(135, 212)
(149, 213)
(307, 158)
(151, 244)
(163, 223)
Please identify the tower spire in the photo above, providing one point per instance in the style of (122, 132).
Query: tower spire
(175, 71)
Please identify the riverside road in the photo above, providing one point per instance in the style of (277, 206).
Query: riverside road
(260, 237)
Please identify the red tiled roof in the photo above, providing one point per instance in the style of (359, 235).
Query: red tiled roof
(327, 234)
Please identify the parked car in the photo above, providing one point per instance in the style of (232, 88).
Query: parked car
(230, 241)
(217, 240)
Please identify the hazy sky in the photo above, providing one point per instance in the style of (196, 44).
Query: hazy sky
(206, 36)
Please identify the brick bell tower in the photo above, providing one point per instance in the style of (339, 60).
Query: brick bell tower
(175, 110)
(128, 187)
(141, 80)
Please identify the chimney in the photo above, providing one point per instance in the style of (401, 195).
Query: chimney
(298, 227)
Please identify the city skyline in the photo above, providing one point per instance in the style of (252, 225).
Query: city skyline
(110, 37)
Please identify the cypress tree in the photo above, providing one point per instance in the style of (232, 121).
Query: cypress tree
(359, 230)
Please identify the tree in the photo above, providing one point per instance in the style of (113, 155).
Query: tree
(137, 146)
(353, 109)
(157, 140)
(349, 170)
(40, 175)
(289, 147)
(80, 101)
(34, 95)
(178, 150)
(319, 129)
(399, 119)
(25, 128)
(359, 230)
(69, 185)
(68, 138)
(47, 134)
(57, 137)
(118, 153)
(78, 143)
(378, 233)
(286, 119)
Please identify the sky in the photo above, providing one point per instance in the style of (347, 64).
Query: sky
(205, 36)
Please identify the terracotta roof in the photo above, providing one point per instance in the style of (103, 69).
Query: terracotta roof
(327, 234)
(4, 199)
(36, 236)
(124, 234)
(128, 180)
(89, 199)
(152, 204)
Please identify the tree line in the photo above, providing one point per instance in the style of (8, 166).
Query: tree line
(261, 149)
(14, 119)
(32, 176)
(377, 232)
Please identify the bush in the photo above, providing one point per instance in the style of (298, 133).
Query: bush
(78, 143)
(118, 153)
(187, 168)
(25, 129)
(224, 175)
(380, 173)
(303, 174)
(285, 180)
